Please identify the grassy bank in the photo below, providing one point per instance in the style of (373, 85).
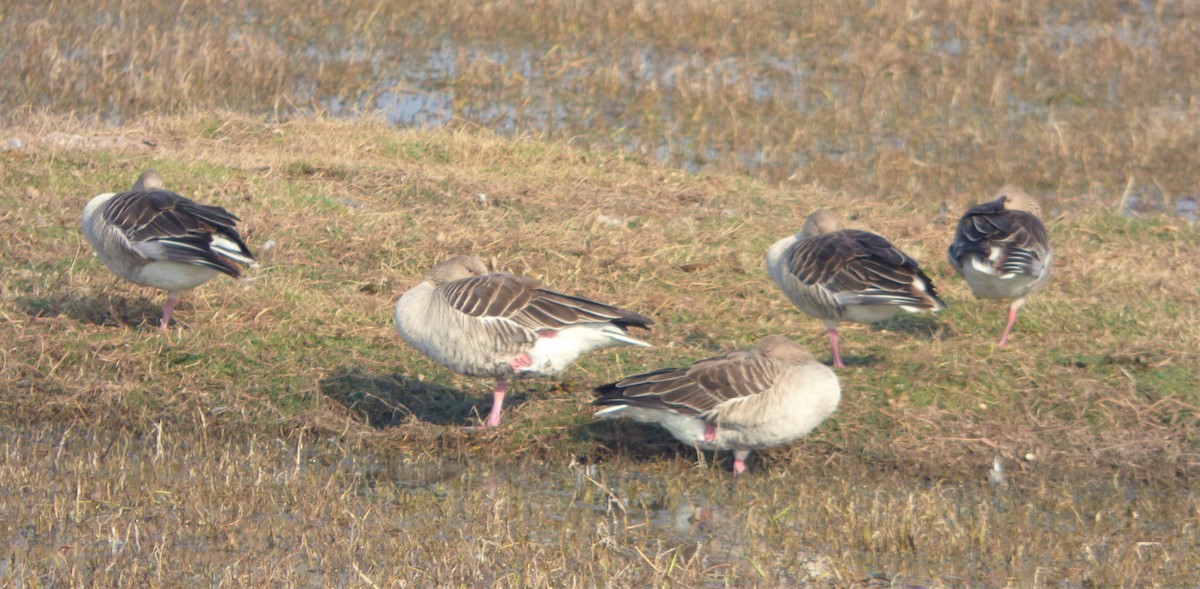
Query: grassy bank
(323, 442)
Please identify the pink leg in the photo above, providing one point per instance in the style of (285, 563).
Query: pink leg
(833, 341)
(167, 310)
(493, 419)
(710, 431)
(739, 461)
(1012, 318)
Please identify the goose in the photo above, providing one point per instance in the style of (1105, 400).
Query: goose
(1002, 250)
(502, 326)
(767, 396)
(153, 237)
(837, 274)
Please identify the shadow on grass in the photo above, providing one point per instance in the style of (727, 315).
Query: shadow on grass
(105, 309)
(639, 442)
(921, 325)
(385, 400)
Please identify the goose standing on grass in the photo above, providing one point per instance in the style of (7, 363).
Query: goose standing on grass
(502, 326)
(767, 396)
(837, 274)
(154, 237)
(1002, 250)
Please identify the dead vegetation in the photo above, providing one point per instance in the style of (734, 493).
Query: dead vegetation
(285, 436)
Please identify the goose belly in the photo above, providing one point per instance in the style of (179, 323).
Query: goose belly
(172, 276)
(551, 355)
(446, 337)
(685, 428)
(986, 283)
(870, 313)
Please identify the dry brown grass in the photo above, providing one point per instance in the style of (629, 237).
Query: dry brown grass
(1077, 99)
(284, 436)
(1091, 410)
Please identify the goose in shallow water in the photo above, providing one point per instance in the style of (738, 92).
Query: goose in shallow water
(153, 237)
(502, 326)
(837, 274)
(767, 396)
(1002, 250)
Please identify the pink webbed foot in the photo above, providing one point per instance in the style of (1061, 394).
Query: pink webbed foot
(710, 432)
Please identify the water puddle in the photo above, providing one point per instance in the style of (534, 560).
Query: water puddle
(208, 499)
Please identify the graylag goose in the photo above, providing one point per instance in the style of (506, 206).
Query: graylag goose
(502, 326)
(837, 274)
(767, 396)
(153, 237)
(1002, 250)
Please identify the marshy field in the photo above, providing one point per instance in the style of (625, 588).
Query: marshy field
(642, 153)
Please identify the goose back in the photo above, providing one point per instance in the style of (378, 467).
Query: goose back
(1001, 251)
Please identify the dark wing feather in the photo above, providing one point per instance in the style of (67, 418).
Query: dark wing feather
(698, 389)
(860, 268)
(490, 295)
(524, 301)
(184, 228)
(1021, 236)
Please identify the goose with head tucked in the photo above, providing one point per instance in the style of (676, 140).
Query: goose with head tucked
(154, 237)
(503, 326)
(767, 396)
(1002, 250)
(837, 274)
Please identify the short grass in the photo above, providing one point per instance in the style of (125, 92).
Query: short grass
(284, 435)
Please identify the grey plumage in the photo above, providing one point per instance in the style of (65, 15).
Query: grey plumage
(154, 237)
(503, 326)
(837, 274)
(769, 395)
(1002, 250)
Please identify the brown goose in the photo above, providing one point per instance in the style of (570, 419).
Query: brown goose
(837, 274)
(769, 395)
(154, 237)
(502, 326)
(1002, 250)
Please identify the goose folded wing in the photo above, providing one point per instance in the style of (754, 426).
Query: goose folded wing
(700, 390)
(1020, 235)
(978, 229)
(1025, 249)
(858, 268)
(525, 302)
(161, 225)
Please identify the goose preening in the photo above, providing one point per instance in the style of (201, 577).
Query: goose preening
(1002, 250)
(502, 326)
(767, 396)
(837, 274)
(153, 237)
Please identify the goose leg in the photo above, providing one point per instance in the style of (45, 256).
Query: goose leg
(1012, 318)
(493, 419)
(168, 309)
(739, 461)
(833, 341)
(710, 431)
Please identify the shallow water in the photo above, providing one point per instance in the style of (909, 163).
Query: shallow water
(1082, 100)
(212, 506)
